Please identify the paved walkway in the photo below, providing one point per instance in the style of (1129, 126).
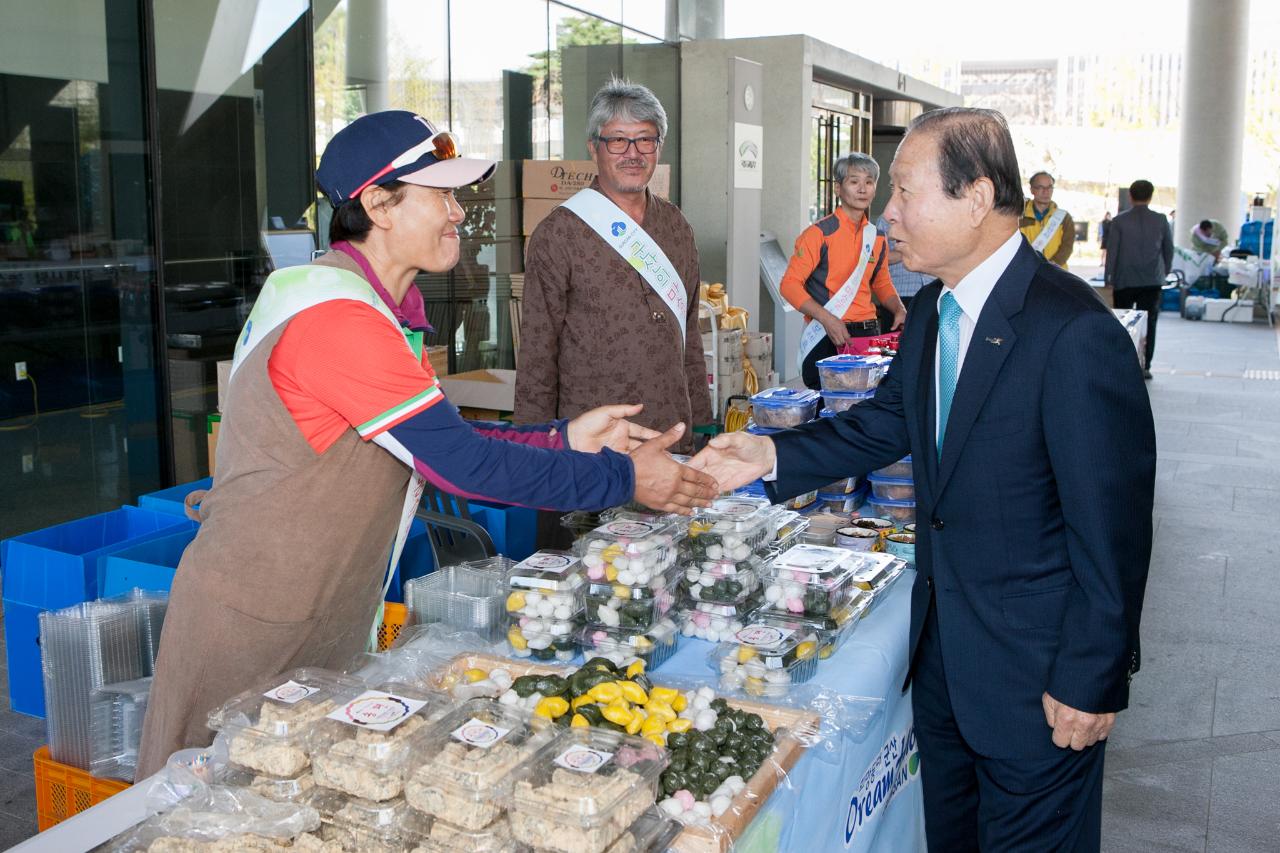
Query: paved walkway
(1194, 764)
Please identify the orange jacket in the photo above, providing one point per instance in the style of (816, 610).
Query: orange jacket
(826, 254)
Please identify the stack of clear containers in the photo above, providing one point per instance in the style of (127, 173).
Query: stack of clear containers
(781, 408)
(841, 401)
(631, 571)
(545, 606)
(582, 792)
(810, 580)
(467, 596)
(363, 748)
(149, 608)
(463, 765)
(84, 647)
(622, 646)
(875, 574)
(851, 372)
(116, 712)
(268, 727)
(721, 556)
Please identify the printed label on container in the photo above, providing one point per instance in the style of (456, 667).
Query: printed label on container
(629, 529)
(814, 559)
(583, 759)
(377, 711)
(479, 733)
(548, 563)
(733, 507)
(290, 692)
(763, 636)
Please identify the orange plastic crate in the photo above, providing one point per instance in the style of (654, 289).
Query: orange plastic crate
(393, 618)
(63, 791)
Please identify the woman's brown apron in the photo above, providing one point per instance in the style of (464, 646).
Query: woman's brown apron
(287, 568)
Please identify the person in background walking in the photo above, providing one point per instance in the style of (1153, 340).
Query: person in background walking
(1139, 255)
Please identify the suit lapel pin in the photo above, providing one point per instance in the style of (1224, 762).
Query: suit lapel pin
(996, 341)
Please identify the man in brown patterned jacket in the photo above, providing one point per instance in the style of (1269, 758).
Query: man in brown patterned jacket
(594, 329)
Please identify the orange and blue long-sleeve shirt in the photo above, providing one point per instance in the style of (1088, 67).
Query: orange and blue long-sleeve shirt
(826, 255)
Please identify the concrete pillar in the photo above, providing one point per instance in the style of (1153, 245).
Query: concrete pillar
(695, 19)
(1213, 94)
(367, 51)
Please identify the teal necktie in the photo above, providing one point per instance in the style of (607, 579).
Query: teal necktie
(948, 359)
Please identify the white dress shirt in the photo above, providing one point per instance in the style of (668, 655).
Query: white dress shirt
(971, 293)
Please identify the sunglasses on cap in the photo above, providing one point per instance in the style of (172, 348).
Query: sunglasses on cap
(440, 146)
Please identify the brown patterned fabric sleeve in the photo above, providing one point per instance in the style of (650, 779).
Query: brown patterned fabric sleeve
(546, 281)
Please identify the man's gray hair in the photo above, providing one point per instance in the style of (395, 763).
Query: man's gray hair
(622, 99)
(855, 162)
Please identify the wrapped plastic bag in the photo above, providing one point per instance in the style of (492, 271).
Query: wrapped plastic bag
(237, 817)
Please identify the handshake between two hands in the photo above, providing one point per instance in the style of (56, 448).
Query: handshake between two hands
(728, 462)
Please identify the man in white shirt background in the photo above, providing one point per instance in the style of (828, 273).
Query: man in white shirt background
(1020, 399)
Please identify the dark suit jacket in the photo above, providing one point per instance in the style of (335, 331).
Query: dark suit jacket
(1035, 528)
(1139, 249)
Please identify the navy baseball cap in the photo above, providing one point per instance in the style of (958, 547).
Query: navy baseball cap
(394, 145)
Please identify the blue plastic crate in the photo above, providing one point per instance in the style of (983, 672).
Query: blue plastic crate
(172, 500)
(147, 565)
(22, 653)
(514, 529)
(58, 566)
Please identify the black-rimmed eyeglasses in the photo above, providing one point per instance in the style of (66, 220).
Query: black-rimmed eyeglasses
(620, 144)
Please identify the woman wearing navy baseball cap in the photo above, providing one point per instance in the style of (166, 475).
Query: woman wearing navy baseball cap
(333, 422)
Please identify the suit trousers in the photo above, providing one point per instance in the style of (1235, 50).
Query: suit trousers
(1144, 299)
(973, 803)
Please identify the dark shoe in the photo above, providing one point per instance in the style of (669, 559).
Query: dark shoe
(1146, 374)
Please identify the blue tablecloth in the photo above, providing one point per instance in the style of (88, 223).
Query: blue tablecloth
(863, 793)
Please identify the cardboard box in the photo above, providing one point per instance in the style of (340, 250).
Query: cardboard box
(536, 210)
(224, 379)
(728, 365)
(733, 385)
(730, 344)
(494, 390)
(562, 178)
(759, 345)
(438, 358)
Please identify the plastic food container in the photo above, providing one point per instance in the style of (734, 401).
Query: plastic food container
(809, 580)
(781, 408)
(628, 550)
(857, 538)
(874, 572)
(847, 486)
(719, 622)
(851, 372)
(463, 762)
(840, 401)
(446, 837)
(900, 470)
(362, 749)
(882, 526)
(582, 791)
(730, 529)
(622, 647)
(281, 789)
(723, 581)
(652, 832)
(268, 726)
(791, 527)
(581, 522)
(755, 429)
(892, 489)
(900, 512)
(367, 826)
(464, 596)
(544, 605)
(768, 656)
(631, 607)
(839, 503)
(840, 625)
(902, 546)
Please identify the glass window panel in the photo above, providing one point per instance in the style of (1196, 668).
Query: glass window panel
(586, 52)
(232, 104)
(82, 433)
(611, 9)
(647, 16)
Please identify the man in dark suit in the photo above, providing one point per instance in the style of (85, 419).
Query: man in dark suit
(1139, 256)
(1018, 396)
